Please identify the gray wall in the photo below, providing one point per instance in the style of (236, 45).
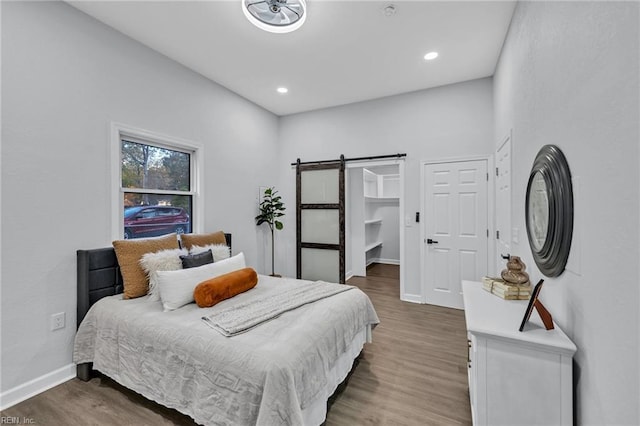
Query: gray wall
(568, 75)
(65, 77)
(445, 122)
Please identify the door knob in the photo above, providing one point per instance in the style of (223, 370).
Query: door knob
(430, 241)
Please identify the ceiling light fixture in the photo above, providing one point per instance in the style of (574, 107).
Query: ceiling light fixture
(430, 56)
(275, 16)
(282, 90)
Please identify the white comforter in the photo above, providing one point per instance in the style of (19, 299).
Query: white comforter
(265, 376)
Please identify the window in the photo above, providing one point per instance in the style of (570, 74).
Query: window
(156, 184)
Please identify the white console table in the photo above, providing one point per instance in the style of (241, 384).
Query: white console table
(515, 378)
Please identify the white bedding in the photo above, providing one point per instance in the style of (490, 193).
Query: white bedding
(286, 296)
(273, 374)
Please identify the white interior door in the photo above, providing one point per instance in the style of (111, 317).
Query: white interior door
(456, 231)
(503, 203)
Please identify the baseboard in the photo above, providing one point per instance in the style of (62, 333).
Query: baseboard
(389, 261)
(385, 261)
(348, 275)
(36, 386)
(413, 298)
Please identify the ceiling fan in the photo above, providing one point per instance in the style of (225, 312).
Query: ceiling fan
(276, 16)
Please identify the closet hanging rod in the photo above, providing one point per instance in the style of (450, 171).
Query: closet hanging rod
(375, 157)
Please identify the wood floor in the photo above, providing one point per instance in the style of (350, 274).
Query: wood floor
(414, 373)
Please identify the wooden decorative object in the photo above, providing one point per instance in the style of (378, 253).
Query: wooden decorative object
(544, 314)
(515, 272)
(547, 320)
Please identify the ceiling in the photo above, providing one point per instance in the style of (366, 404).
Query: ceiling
(346, 51)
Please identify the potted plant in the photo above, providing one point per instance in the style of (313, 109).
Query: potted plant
(271, 209)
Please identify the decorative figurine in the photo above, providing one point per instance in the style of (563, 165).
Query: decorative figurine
(515, 273)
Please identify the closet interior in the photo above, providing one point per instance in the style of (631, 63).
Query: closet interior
(373, 217)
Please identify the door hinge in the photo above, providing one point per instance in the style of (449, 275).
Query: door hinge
(487, 177)
(497, 174)
(487, 232)
(497, 235)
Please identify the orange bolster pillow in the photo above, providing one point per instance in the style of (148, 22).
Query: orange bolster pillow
(225, 286)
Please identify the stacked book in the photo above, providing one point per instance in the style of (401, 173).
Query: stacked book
(506, 290)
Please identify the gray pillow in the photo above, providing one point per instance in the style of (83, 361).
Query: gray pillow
(195, 260)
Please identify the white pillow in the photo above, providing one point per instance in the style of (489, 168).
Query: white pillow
(163, 260)
(219, 251)
(176, 287)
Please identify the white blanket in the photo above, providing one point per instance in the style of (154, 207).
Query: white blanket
(285, 297)
(265, 376)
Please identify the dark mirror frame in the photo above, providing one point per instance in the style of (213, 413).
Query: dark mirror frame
(552, 257)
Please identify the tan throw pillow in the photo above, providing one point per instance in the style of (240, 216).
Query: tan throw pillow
(129, 253)
(189, 240)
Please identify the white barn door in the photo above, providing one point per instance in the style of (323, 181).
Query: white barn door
(455, 229)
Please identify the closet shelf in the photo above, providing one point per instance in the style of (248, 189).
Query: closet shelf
(371, 246)
(372, 221)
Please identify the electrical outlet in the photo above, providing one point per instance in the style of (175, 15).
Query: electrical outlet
(57, 321)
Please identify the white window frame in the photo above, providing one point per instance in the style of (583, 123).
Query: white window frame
(134, 134)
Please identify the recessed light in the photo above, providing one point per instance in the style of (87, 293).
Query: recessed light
(430, 56)
(282, 90)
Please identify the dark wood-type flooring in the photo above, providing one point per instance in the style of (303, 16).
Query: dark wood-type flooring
(414, 373)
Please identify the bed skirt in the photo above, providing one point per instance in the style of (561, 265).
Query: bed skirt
(316, 412)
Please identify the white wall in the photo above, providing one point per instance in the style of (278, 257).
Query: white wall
(569, 75)
(65, 77)
(444, 122)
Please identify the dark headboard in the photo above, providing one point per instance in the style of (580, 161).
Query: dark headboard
(99, 276)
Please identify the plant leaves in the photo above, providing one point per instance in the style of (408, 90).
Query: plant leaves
(270, 207)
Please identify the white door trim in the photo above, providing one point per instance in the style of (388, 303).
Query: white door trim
(491, 246)
(400, 162)
(506, 139)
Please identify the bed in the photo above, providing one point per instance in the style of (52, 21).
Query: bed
(279, 372)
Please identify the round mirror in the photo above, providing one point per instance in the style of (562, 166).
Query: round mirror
(539, 207)
(549, 211)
